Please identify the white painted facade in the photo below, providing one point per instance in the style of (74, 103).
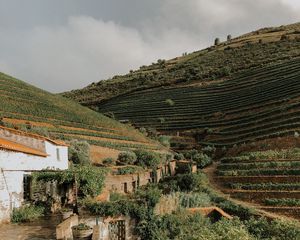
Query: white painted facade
(14, 165)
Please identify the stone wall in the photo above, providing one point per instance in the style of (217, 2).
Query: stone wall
(64, 229)
(130, 182)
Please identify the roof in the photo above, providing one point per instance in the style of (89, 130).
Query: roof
(208, 210)
(17, 147)
(36, 136)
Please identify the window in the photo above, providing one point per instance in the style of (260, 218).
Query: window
(57, 154)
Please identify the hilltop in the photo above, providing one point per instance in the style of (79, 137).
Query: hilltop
(245, 89)
(28, 108)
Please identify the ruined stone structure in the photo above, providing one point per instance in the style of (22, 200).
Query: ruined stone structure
(21, 154)
(130, 182)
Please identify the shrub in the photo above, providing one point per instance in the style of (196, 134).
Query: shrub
(170, 102)
(109, 161)
(147, 159)
(178, 156)
(191, 200)
(79, 152)
(127, 157)
(128, 170)
(202, 160)
(164, 140)
(191, 182)
(26, 213)
(275, 230)
(229, 37)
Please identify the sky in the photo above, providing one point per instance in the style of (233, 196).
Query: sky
(60, 45)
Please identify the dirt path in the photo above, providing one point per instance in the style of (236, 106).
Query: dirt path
(210, 172)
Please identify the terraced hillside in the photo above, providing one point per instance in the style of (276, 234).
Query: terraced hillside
(270, 180)
(253, 105)
(32, 109)
(216, 63)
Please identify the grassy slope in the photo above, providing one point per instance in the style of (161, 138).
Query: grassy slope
(243, 90)
(22, 104)
(213, 63)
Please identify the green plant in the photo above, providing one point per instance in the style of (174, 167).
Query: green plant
(178, 156)
(170, 102)
(147, 159)
(89, 179)
(192, 200)
(164, 140)
(127, 157)
(109, 161)
(79, 152)
(81, 226)
(26, 213)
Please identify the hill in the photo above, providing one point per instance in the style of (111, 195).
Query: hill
(241, 90)
(31, 109)
(219, 62)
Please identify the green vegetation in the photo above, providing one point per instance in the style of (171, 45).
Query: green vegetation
(268, 178)
(26, 213)
(33, 110)
(147, 159)
(129, 170)
(79, 152)
(292, 202)
(89, 179)
(127, 158)
(201, 66)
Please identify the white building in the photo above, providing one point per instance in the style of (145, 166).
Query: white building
(21, 154)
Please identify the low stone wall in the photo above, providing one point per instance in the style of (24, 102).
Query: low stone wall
(64, 229)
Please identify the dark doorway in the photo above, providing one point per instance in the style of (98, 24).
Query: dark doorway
(27, 187)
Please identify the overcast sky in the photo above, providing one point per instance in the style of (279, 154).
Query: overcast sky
(60, 45)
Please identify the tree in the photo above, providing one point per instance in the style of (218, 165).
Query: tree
(229, 38)
(217, 41)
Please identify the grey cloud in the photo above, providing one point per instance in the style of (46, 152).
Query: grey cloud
(88, 41)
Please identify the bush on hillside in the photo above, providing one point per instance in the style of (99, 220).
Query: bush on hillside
(127, 157)
(178, 156)
(109, 161)
(147, 159)
(79, 152)
(164, 140)
(202, 160)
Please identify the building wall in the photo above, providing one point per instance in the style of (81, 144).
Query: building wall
(25, 140)
(13, 166)
(17, 161)
(11, 193)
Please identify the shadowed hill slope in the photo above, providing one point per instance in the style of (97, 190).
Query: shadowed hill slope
(31, 109)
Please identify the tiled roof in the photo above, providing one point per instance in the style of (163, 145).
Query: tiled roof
(36, 136)
(17, 147)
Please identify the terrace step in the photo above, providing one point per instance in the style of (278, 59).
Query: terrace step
(259, 179)
(259, 196)
(287, 211)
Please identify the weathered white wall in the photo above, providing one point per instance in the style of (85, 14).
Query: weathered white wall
(11, 193)
(12, 169)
